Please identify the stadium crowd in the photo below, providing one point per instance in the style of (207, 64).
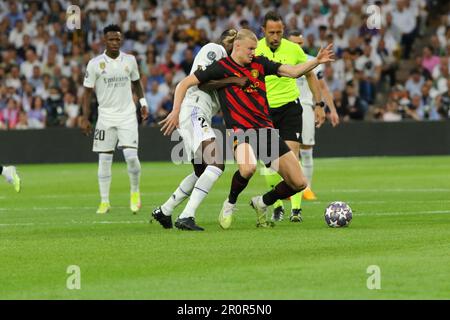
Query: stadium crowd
(42, 63)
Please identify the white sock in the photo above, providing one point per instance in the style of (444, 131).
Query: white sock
(307, 164)
(134, 168)
(6, 173)
(260, 202)
(183, 191)
(104, 175)
(201, 189)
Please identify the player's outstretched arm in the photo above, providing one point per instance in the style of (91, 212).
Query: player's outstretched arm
(314, 86)
(324, 56)
(139, 92)
(172, 119)
(218, 84)
(85, 125)
(328, 98)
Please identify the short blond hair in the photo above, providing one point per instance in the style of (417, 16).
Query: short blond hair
(246, 34)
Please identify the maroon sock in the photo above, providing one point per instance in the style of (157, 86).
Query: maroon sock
(238, 183)
(281, 191)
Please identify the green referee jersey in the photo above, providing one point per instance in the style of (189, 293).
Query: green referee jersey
(281, 90)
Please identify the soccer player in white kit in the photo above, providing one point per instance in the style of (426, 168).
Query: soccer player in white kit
(197, 109)
(308, 127)
(113, 74)
(11, 176)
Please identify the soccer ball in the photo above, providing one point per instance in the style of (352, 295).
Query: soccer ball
(338, 214)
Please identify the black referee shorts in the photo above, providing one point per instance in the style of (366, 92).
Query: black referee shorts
(288, 120)
(265, 142)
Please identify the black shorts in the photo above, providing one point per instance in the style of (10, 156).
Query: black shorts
(266, 143)
(288, 120)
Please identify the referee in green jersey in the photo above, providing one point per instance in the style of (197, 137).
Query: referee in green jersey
(283, 96)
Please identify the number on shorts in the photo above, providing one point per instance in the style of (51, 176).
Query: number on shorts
(99, 135)
(202, 122)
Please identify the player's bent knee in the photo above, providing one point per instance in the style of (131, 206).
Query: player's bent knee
(298, 184)
(248, 170)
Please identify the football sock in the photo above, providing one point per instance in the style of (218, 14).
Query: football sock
(1, 169)
(134, 168)
(201, 189)
(272, 179)
(296, 200)
(104, 175)
(307, 164)
(183, 191)
(281, 191)
(238, 184)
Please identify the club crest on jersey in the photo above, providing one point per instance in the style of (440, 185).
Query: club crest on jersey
(211, 55)
(102, 65)
(127, 69)
(254, 73)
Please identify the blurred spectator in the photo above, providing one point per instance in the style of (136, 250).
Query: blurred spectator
(188, 61)
(403, 19)
(415, 83)
(154, 98)
(427, 109)
(412, 110)
(443, 102)
(353, 106)
(37, 114)
(26, 68)
(22, 124)
(71, 110)
(368, 66)
(391, 112)
(429, 59)
(16, 35)
(55, 108)
(9, 116)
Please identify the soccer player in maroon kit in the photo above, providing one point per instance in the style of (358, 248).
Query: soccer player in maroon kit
(247, 108)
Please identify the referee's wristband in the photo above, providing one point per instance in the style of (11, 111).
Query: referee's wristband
(320, 104)
(143, 102)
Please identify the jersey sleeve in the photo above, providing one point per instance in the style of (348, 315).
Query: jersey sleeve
(302, 57)
(319, 70)
(211, 54)
(89, 77)
(270, 67)
(134, 75)
(212, 72)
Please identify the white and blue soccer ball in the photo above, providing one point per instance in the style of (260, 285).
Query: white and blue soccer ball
(338, 214)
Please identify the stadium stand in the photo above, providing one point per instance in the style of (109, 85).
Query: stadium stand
(396, 72)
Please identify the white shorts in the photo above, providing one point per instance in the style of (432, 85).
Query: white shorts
(308, 126)
(108, 135)
(195, 127)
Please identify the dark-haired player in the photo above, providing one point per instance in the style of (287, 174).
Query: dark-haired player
(113, 75)
(197, 109)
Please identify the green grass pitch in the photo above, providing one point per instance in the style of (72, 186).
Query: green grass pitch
(401, 224)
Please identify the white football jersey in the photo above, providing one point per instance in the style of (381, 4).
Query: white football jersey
(111, 79)
(306, 96)
(209, 103)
